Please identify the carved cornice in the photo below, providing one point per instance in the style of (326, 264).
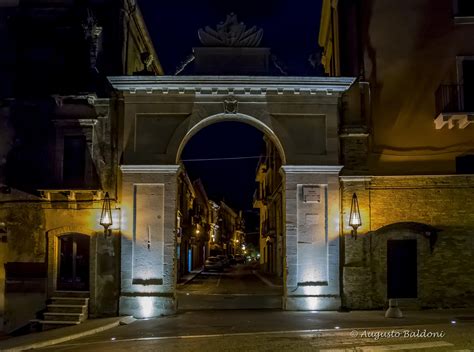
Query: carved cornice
(96, 194)
(149, 169)
(312, 169)
(228, 85)
(75, 122)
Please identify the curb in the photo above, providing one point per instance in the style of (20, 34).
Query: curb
(57, 340)
(193, 276)
(264, 279)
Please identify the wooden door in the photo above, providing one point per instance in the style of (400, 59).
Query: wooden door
(73, 271)
(401, 269)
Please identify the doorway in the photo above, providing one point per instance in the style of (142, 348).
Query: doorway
(73, 271)
(401, 269)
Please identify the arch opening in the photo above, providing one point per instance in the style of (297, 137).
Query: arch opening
(224, 223)
(238, 117)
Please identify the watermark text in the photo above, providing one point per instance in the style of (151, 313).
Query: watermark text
(401, 334)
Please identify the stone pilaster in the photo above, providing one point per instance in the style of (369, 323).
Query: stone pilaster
(312, 237)
(148, 282)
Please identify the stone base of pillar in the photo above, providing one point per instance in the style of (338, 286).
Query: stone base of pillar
(147, 306)
(312, 303)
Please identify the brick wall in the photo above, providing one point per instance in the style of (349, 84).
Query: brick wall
(445, 273)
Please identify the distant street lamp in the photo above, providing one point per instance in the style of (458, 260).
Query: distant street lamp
(106, 215)
(354, 217)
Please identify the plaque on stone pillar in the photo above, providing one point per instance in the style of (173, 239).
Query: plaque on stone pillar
(312, 234)
(311, 194)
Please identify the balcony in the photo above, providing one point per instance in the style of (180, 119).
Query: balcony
(454, 106)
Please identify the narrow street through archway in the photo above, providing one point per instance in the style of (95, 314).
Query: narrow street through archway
(229, 257)
(242, 286)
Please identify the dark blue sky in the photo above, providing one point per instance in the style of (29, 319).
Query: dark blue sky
(232, 180)
(291, 31)
(290, 27)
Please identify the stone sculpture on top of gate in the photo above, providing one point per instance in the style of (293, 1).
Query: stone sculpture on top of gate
(230, 33)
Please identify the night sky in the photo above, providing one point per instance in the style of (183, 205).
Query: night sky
(232, 180)
(290, 27)
(290, 30)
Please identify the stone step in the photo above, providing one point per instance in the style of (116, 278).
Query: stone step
(66, 308)
(81, 294)
(80, 301)
(54, 324)
(79, 317)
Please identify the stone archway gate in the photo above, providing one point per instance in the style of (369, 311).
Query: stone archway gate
(156, 116)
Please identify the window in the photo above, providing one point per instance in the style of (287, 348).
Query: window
(75, 166)
(465, 8)
(465, 68)
(74, 160)
(465, 164)
(463, 11)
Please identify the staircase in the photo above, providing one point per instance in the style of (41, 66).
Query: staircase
(66, 308)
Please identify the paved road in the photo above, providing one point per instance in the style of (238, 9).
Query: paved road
(441, 337)
(239, 287)
(276, 330)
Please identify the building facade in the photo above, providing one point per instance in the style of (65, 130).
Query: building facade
(58, 152)
(184, 224)
(215, 241)
(228, 225)
(201, 217)
(406, 146)
(268, 198)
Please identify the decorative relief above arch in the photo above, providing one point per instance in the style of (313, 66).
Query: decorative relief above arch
(231, 106)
